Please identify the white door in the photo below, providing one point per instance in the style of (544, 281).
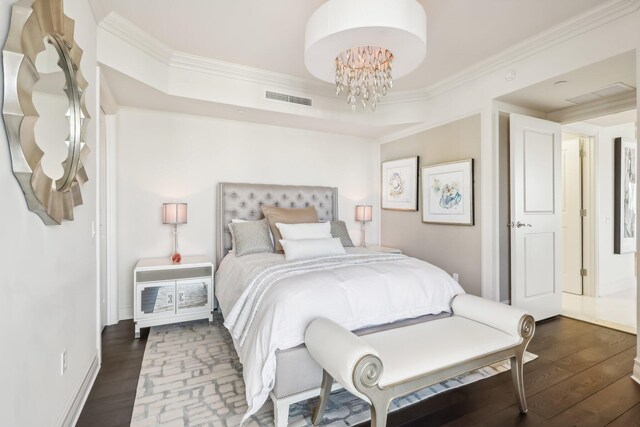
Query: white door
(571, 216)
(536, 219)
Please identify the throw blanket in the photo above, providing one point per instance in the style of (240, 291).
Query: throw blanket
(268, 302)
(241, 317)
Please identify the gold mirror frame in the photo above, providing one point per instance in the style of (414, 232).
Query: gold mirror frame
(32, 22)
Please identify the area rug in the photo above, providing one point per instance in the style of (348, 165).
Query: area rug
(191, 376)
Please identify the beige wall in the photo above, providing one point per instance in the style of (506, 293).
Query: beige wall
(455, 248)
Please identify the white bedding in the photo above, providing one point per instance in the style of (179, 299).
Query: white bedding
(354, 296)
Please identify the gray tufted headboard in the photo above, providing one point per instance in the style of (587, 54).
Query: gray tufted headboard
(244, 201)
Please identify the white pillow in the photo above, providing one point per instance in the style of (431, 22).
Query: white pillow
(311, 248)
(238, 221)
(314, 230)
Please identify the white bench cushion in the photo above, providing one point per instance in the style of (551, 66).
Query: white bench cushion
(425, 347)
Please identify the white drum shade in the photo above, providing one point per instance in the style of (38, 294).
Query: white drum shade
(364, 213)
(174, 213)
(397, 25)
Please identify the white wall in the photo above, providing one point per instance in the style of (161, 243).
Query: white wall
(616, 272)
(48, 277)
(163, 157)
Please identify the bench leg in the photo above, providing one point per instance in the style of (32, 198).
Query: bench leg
(379, 408)
(280, 414)
(325, 391)
(518, 383)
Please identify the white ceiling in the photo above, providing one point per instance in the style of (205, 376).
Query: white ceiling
(270, 34)
(547, 96)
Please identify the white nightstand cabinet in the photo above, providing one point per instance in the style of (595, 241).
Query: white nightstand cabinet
(168, 293)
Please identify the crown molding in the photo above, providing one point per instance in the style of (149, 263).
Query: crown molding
(136, 37)
(217, 68)
(145, 42)
(580, 24)
(599, 107)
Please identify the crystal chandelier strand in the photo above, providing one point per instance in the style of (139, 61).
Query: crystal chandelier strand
(365, 74)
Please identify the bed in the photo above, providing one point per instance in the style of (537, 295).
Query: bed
(368, 292)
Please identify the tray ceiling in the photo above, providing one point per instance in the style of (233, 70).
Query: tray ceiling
(270, 34)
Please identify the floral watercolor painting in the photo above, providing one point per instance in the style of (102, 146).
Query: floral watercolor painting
(400, 184)
(448, 193)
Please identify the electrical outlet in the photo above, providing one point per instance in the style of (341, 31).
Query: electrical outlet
(63, 362)
(455, 277)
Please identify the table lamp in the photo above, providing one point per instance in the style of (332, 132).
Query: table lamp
(363, 214)
(174, 213)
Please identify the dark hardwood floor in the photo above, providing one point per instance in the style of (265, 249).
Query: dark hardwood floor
(581, 378)
(110, 402)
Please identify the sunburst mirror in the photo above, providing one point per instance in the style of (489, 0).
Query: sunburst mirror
(44, 109)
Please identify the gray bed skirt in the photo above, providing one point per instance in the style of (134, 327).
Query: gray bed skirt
(296, 371)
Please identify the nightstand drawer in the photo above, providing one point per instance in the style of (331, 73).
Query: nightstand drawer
(156, 299)
(193, 295)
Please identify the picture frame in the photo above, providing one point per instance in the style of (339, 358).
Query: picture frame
(399, 186)
(447, 193)
(625, 193)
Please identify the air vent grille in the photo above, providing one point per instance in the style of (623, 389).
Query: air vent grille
(611, 90)
(289, 98)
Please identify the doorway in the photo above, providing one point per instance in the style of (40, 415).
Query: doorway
(595, 284)
(577, 213)
(609, 278)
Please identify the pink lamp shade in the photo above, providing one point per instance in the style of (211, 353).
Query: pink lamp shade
(363, 213)
(174, 213)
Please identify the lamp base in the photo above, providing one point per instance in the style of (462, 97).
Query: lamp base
(363, 241)
(176, 258)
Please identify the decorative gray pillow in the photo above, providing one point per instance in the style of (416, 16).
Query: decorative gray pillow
(339, 230)
(251, 237)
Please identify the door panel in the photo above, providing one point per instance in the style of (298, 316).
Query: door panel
(571, 218)
(540, 251)
(538, 164)
(536, 221)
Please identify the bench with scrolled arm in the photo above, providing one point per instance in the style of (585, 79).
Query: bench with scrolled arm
(382, 366)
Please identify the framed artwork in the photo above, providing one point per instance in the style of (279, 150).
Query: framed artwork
(447, 193)
(400, 184)
(625, 191)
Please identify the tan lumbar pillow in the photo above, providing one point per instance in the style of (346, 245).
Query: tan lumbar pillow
(287, 216)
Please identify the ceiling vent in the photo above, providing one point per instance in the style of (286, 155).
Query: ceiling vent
(288, 98)
(611, 90)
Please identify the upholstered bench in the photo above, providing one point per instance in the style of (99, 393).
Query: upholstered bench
(382, 366)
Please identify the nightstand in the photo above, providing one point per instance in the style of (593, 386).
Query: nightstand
(384, 249)
(165, 292)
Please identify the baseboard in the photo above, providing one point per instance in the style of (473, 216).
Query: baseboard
(125, 313)
(73, 411)
(636, 370)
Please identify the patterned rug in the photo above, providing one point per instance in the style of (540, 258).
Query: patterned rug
(191, 376)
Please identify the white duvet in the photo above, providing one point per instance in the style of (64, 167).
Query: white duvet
(355, 296)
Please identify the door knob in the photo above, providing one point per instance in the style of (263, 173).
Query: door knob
(521, 224)
(518, 224)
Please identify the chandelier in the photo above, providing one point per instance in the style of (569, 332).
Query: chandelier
(365, 74)
(363, 45)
